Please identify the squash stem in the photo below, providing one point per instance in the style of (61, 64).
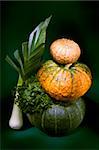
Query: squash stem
(68, 66)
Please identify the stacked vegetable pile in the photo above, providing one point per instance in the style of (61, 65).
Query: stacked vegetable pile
(49, 93)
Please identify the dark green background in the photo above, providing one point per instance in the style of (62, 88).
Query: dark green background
(74, 20)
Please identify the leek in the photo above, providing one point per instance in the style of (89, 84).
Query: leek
(26, 62)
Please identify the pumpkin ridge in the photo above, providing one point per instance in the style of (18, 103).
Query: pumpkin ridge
(74, 111)
(49, 63)
(69, 115)
(81, 106)
(50, 71)
(42, 119)
(46, 69)
(63, 87)
(74, 92)
(83, 72)
(64, 70)
(72, 82)
(84, 68)
(49, 84)
(55, 74)
(60, 80)
(55, 122)
(46, 66)
(64, 60)
(81, 116)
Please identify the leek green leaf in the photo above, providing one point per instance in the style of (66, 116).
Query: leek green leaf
(29, 58)
(25, 51)
(18, 58)
(12, 63)
(38, 36)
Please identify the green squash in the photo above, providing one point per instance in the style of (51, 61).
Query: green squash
(60, 118)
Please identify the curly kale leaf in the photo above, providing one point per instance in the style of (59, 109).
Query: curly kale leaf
(32, 98)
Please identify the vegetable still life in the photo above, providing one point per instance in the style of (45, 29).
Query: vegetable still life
(49, 93)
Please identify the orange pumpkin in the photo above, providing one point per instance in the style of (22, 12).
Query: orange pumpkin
(67, 82)
(65, 51)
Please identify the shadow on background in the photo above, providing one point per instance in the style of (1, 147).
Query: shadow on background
(91, 119)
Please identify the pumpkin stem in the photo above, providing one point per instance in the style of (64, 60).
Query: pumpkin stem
(68, 65)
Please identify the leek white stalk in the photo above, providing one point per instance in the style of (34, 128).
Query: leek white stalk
(16, 119)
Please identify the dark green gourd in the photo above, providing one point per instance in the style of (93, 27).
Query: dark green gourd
(60, 118)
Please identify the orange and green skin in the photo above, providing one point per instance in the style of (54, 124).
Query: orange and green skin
(65, 51)
(64, 83)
